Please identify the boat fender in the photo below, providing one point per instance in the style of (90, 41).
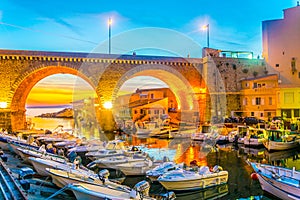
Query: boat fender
(254, 176)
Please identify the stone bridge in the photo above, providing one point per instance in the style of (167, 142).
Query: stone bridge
(21, 70)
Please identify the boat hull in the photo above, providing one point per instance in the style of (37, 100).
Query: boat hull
(278, 181)
(271, 187)
(196, 184)
(40, 166)
(280, 146)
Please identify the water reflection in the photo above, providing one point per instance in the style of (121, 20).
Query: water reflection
(231, 157)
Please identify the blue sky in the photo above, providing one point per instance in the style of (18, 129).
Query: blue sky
(157, 27)
(75, 25)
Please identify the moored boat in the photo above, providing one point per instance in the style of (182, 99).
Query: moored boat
(279, 139)
(183, 180)
(278, 181)
(255, 137)
(161, 169)
(136, 168)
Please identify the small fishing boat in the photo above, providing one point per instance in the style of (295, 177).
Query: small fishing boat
(183, 180)
(279, 139)
(278, 181)
(255, 137)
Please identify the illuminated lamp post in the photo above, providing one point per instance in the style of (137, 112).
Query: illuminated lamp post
(109, 35)
(206, 27)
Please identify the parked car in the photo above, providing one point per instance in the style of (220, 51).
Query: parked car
(277, 119)
(252, 120)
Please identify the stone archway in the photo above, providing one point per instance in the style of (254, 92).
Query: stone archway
(19, 98)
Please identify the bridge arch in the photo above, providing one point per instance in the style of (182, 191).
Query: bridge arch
(25, 83)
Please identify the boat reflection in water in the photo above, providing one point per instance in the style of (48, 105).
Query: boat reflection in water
(216, 192)
(231, 157)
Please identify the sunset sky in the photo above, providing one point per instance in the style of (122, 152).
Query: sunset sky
(81, 26)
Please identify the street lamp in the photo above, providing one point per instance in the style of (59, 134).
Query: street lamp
(109, 35)
(206, 27)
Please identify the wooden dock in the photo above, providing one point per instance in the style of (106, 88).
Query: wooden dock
(9, 188)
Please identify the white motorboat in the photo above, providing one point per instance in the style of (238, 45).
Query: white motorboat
(146, 128)
(96, 192)
(113, 161)
(237, 136)
(203, 133)
(97, 186)
(281, 140)
(25, 153)
(180, 180)
(136, 168)
(41, 164)
(255, 137)
(4, 138)
(278, 181)
(161, 169)
(113, 148)
(14, 144)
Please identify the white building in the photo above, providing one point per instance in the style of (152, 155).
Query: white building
(281, 45)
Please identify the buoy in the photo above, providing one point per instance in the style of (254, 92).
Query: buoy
(254, 176)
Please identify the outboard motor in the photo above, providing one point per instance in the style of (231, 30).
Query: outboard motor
(103, 174)
(168, 196)
(217, 169)
(143, 188)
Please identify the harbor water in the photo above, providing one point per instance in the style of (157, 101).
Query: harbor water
(230, 157)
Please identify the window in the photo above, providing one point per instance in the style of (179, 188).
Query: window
(261, 114)
(149, 112)
(152, 96)
(296, 113)
(270, 101)
(286, 113)
(254, 85)
(277, 65)
(245, 101)
(257, 101)
(252, 114)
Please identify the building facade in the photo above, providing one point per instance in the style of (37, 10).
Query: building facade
(258, 97)
(281, 45)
